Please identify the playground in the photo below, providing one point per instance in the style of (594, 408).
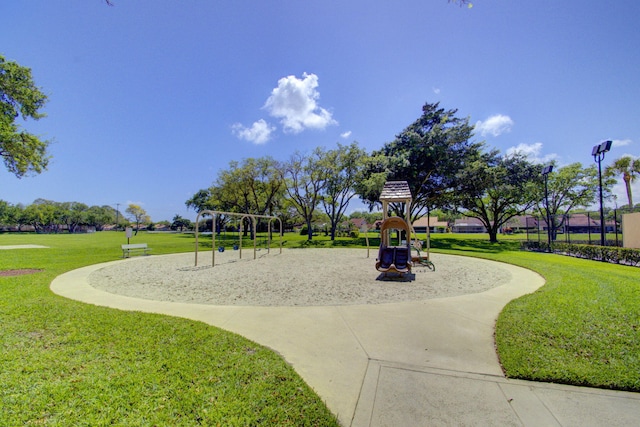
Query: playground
(372, 364)
(295, 277)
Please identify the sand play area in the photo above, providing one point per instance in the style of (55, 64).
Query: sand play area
(297, 277)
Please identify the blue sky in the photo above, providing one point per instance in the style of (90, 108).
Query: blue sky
(148, 100)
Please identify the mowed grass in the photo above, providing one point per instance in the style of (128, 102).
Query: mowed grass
(68, 363)
(582, 327)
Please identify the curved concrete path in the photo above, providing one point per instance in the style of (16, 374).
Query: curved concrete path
(421, 363)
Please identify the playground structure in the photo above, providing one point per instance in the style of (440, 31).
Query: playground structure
(397, 258)
(243, 216)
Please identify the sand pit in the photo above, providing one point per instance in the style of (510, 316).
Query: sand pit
(297, 277)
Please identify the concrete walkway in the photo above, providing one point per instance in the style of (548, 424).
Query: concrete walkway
(426, 363)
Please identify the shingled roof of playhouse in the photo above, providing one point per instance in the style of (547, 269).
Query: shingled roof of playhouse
(395, 191)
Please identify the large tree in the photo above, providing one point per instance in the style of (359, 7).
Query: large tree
(138, 215)
(201, 201)
(496, 188)
(73, 215)
(252, 186)
(569, 187)
(629, 168)
(21, 151)
(99, 216)
(305, 180)
(44, 215)
(181, 223)
(345, 165)
(429, 155)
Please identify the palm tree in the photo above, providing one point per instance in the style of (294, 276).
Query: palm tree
(629, 168)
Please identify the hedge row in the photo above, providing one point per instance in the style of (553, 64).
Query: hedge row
(611, 254)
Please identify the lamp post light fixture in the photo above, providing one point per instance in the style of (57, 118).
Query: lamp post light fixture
(598, 156)
(545, 172)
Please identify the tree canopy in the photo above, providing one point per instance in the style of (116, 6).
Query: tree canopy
(345, 165)
(569, 187)
(21, 151)
(428, 154)
(47, 216)
(629, 168)
(138, 215)
(496, 188)
(305, 179)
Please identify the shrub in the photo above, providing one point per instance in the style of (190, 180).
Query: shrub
(612, 254)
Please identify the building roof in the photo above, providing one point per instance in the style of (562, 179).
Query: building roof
(524, 221)
(359, 222)
(431, 221)
(395, 191)
(468, 221)
(582, 220)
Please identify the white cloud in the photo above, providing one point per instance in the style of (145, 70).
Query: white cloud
(294, 101)
(346, 134)
(621, 142)
(494, 125)
(532, 153)
(436, 90)
(258, 133)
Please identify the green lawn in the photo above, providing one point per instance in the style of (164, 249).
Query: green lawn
(582, 327)
(68, 363)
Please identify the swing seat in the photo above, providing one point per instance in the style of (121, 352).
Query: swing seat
(394, 259)
(402, 259)
(386, 257)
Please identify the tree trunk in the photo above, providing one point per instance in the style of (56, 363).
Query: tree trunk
(309, 230)
(627, 182)
(493, 234)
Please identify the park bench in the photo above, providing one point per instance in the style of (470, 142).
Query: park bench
(134, 247)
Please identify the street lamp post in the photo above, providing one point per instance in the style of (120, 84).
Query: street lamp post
(117, 214)
(598, 152)
(545, 172)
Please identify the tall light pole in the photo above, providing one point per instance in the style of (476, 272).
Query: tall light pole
(545, 172)
(598, 156)
(117, 214)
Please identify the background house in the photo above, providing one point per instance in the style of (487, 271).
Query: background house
(435, 226)
(468, 225)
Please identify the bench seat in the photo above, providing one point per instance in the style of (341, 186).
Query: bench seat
(134, 248)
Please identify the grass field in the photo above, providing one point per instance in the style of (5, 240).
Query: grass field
(67, 363)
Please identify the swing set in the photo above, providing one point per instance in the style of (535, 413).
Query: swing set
(252, 217)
